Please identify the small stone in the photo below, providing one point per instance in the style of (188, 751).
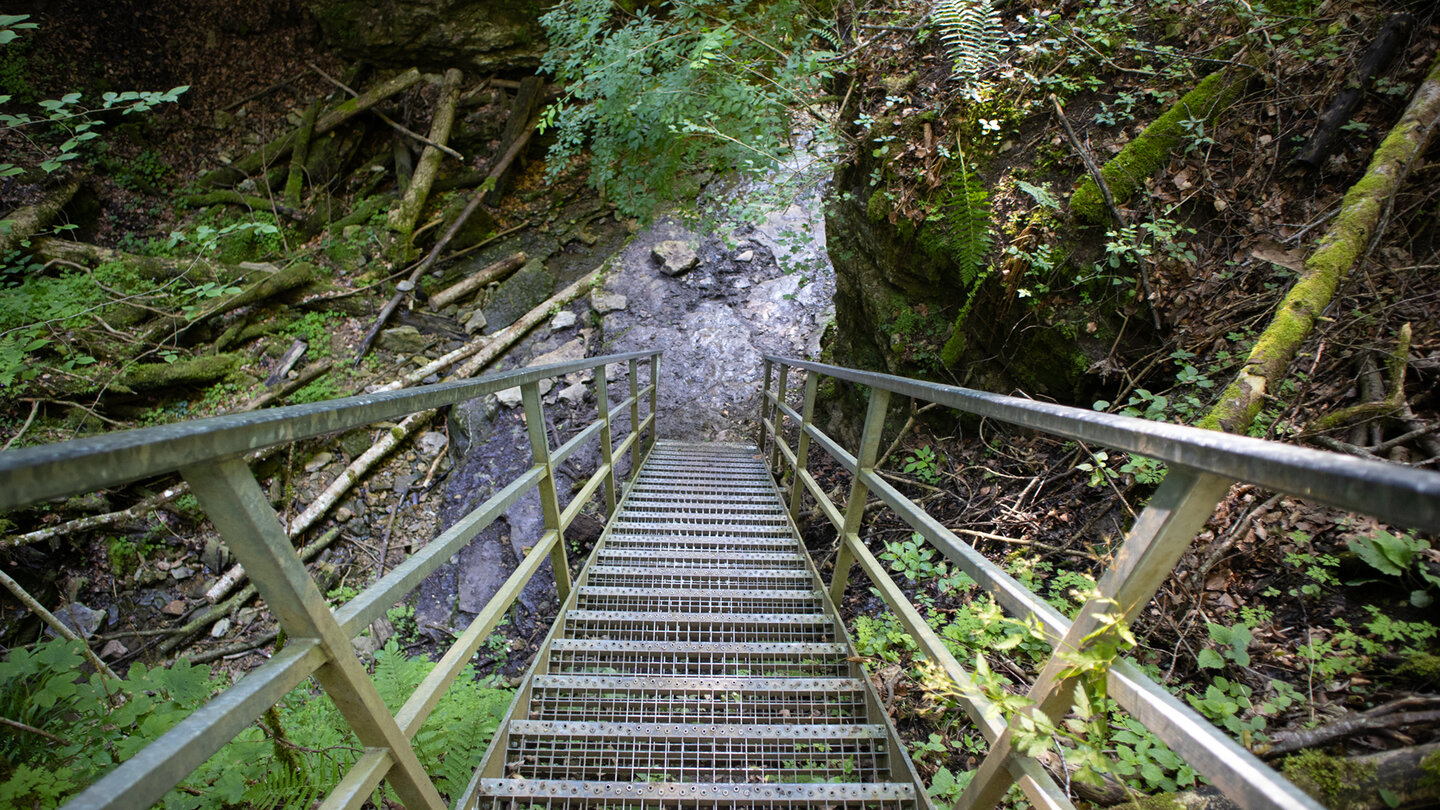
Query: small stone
(676, 257)
(221, 628)
(745, 256)
(245, 616)
(510, 397)
(182, 572)
(80, 619)
(403, 483)
(564, 319)
(405, 286)
(574, 394)
(605, 302)
(431, 443)
(175, 608)
(214, 554)
(365, 646)
(318, 461)
(476, 323)
(405, 340)
(344, 514)
(113, 649)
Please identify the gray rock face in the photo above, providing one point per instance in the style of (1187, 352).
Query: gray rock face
(676, 257)
(518, 294)
(434, 34)
(562, 320)
(80, 619)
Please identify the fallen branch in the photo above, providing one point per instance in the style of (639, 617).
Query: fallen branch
(292, 277)
(56, 625)
(392, 123)
(295, 182)
(470, 284)
(1339, 250)
(1388, 715)
(1397, 363)
(237, 648)
(524, 112)
(149, 267)
(403, 217)
(1376, 57)
(281, 147)
(484, 354)
(28, 220)
(248, 201)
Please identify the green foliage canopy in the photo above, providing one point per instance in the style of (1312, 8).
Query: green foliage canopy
(695, 85)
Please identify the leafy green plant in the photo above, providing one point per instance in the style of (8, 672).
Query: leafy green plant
(914, 559)
(923, 464)
(65, 119)
(1233, 645)
(707, 84)
(1398, 555)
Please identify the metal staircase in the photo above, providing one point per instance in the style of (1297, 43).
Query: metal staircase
(698, 663)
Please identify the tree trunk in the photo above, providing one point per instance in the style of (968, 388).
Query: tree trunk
(1342, 246)
(402, 220)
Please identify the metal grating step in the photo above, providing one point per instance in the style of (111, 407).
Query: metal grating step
(615, 624)
(679, 753)
(715, 544)
(560, 794)
(691, 658)
(693, 600)
(716, 578)
(658, 558)
(698, 665)
(747, 701)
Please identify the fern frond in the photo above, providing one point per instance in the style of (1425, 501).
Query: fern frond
(968, 220)
(971, 32)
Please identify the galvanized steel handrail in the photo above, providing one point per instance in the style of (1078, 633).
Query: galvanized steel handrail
(1203, 465)
(208, 453)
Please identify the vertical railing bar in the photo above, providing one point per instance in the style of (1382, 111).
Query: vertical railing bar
(240, 511)
(654, 402)
(607, 439)
(779, 420)
(855, 508)
(634, 369)
(549, 499)
(764, 408)
(802, 449)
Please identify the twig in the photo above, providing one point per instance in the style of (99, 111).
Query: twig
(56, 625)
(16, 724)
(1380, 717)
(235, 648)
(395, 125)
(909, 423)
(34, 406)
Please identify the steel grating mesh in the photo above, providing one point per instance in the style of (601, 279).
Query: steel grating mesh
(698, 665)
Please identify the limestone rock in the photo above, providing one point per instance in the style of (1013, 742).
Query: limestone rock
(511, 397)
(604, 302)
(221, 628)
(569, 353)
(564, 319)
(476, 322)
(745, 256)
(317, 461)
(676, 257)
(82, 620)
(430, 443)
(518, 294)
(574, 394)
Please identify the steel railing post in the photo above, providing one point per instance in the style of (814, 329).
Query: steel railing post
(764, 408)
(1161, 534)
(549, 499)
(607, 439)
(654, 403)
(779, 416)
(235, 504)
(855, 508)
(634, 421)
(802, 448)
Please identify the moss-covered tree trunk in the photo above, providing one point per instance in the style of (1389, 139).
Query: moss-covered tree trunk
(1342, 245)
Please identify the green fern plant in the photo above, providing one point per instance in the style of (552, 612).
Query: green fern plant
(971, 32)
(967, 222)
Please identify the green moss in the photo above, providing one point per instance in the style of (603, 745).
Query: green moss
(1142, 157)
(1421, 666)
(1324, 777)
(1164, 801)
(878, 208)
(192, 371)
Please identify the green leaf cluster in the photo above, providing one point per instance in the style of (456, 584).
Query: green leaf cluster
(94, 726)
(678, 87)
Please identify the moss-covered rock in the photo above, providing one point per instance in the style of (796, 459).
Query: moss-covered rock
(434, 34)
(1142, 157)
